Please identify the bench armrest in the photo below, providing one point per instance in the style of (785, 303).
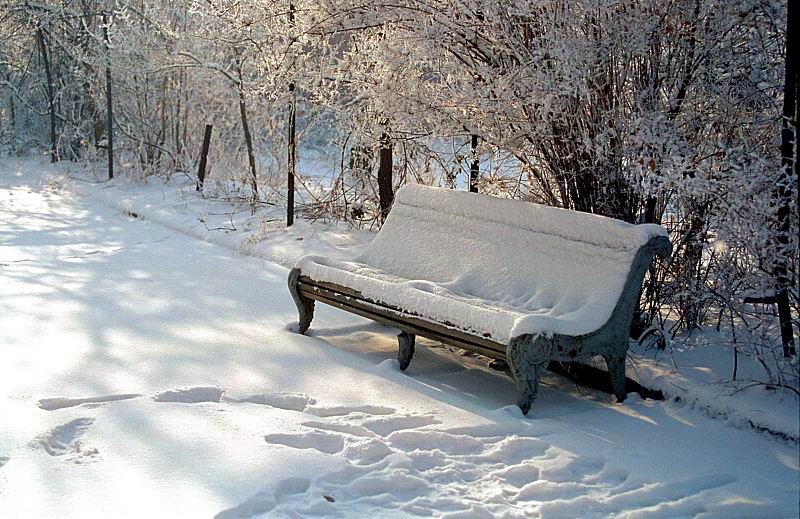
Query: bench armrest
(661, 246)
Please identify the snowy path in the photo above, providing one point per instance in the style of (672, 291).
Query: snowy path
(144, 373)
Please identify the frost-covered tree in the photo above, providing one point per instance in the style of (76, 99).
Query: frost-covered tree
(643, 110)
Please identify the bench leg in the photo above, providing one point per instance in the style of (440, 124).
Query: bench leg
(305, 306)
(406, 350)
(616, 370)
(528, 386)
(527, 358)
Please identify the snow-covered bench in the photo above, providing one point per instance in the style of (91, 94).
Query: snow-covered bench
(515, 281)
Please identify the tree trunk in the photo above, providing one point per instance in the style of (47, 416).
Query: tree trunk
(691, 263)
(789, 177)
(385, 191)
(248, 138)
(50, 94)
(12, 116)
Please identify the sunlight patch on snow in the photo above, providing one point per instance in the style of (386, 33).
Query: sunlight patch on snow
(626, 409)
(791, 461)
(673, 413)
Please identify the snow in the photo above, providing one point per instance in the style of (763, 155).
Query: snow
(145, 373)
(698, 375)
(177, 206)
(513, 267)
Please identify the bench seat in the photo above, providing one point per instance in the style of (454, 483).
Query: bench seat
(517, 281)
(447, 304)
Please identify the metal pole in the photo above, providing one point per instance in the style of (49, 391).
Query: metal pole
(109, 106)
(292, 155)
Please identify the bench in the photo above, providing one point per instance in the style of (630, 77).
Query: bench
(511, 280)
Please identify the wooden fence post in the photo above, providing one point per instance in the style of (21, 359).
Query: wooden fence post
(201, 169)
(475, 167)
(109, 106)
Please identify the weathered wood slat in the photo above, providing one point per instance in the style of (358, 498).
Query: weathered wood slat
(445, 328)
(351, 301)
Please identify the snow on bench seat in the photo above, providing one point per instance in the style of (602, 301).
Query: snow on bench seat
(494, 267)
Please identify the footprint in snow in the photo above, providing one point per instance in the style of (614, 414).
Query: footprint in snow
(316, 440)
(191, 395)
(579, 468)
(435, 440)
(66, 440)
(264, 502)
(368, 452)
(344, 410)
(346, 428)
(53, 404)
(3, 460)
(386, 425)
(515, 449)
(680, 498)
(287, 401)
(297, 402)
(199, 394)
(518, 475)
(400, 462)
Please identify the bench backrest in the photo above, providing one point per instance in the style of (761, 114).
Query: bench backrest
(519, 255)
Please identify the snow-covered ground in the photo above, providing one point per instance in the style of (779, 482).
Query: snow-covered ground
(146, 373)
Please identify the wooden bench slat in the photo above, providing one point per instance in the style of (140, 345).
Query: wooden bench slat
(352, 302)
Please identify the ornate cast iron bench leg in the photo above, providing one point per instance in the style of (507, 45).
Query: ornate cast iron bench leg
(528, 357)
(616, 370)
(406, 350)
(305, 306)
(528, 385)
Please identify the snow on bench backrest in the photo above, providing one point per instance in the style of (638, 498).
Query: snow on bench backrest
(565, 267)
